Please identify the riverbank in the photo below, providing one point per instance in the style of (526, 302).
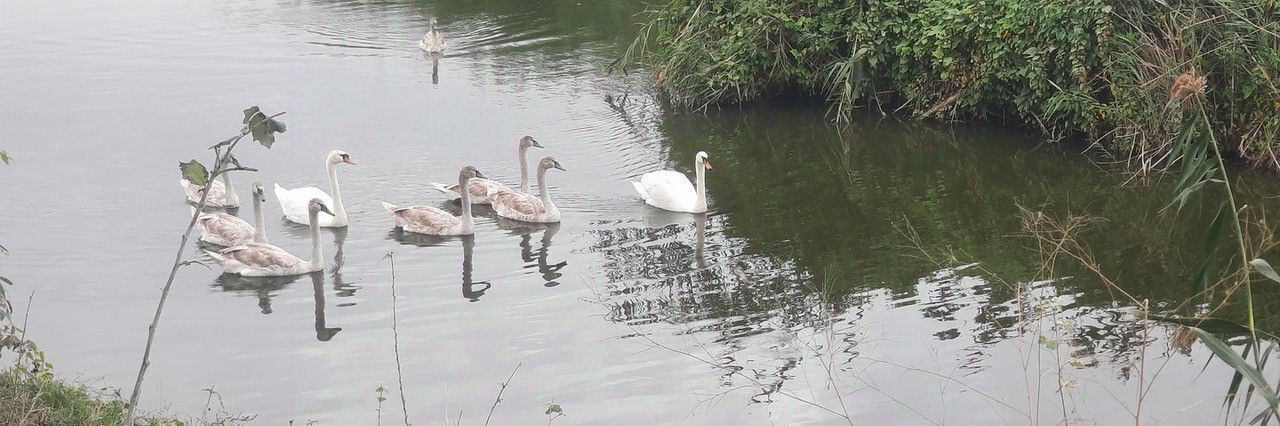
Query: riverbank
(28, 399)
(1143, 80)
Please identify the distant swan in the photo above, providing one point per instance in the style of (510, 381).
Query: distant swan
(294, 201)
(670, 190)
(432, 41)
(433, 221)
(225, 230)
(528, 208)
(220, 193)
(266, 260)
(480, 188)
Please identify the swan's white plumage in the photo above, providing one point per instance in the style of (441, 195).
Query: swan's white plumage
(294, 203)
(669, 190)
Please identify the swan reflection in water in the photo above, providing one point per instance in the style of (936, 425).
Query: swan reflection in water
(657, 219)
(700, 228)
(265, 288)
(341, 288)
(550, 272)
(471, 290)
(434, 57)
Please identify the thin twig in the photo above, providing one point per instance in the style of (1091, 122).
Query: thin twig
(503, 388)
(395, 338)
(22, 341)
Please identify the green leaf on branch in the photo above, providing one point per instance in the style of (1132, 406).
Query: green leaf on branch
(4, 156)
(264, 129)
(1265, 269)
(194, 172)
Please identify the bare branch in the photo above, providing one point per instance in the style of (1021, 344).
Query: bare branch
(503, 388)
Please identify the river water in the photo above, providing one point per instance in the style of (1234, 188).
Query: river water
(882, 255)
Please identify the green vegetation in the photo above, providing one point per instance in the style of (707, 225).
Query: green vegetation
(33, 399)
(1117, 72)
(30, 395)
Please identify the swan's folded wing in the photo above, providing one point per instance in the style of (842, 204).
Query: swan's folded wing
(217, 192)
(669, 189)
(293, 202)
(480, 187)
(668, 180)
(423, 217)
(305, 194)
(227, 227)
(518, 202)
(262, 256)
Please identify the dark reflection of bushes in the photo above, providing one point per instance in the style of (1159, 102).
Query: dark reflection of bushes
(805, 206)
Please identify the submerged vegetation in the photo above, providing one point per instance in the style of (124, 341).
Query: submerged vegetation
(1115, 72)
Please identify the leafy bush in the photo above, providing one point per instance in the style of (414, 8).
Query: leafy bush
(1105, 69)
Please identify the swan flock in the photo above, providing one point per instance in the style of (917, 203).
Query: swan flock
(242, 248)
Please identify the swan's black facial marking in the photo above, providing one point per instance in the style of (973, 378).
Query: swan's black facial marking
(320, 207)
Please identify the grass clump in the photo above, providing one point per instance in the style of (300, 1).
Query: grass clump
(32, 399)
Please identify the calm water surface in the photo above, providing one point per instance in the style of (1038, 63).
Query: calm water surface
(903, 233)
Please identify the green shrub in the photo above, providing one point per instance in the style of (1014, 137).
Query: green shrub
(1104, 69)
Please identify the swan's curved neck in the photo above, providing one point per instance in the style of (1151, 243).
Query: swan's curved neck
(317, 254)
(701, 171)
(524, 168)
(466, 202)
(339, 212)
(259, 231)
(542, 189)
(232, 198)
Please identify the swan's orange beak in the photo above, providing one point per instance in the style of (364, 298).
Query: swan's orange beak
(707, 164)
(347, 159)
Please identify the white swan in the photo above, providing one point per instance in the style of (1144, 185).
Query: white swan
(266, 260)
(294, 201)
(480, 188)
(220, 193)
(525, 207)
(432, 41)
(225, 230)
(670, 190)
(434, 221)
